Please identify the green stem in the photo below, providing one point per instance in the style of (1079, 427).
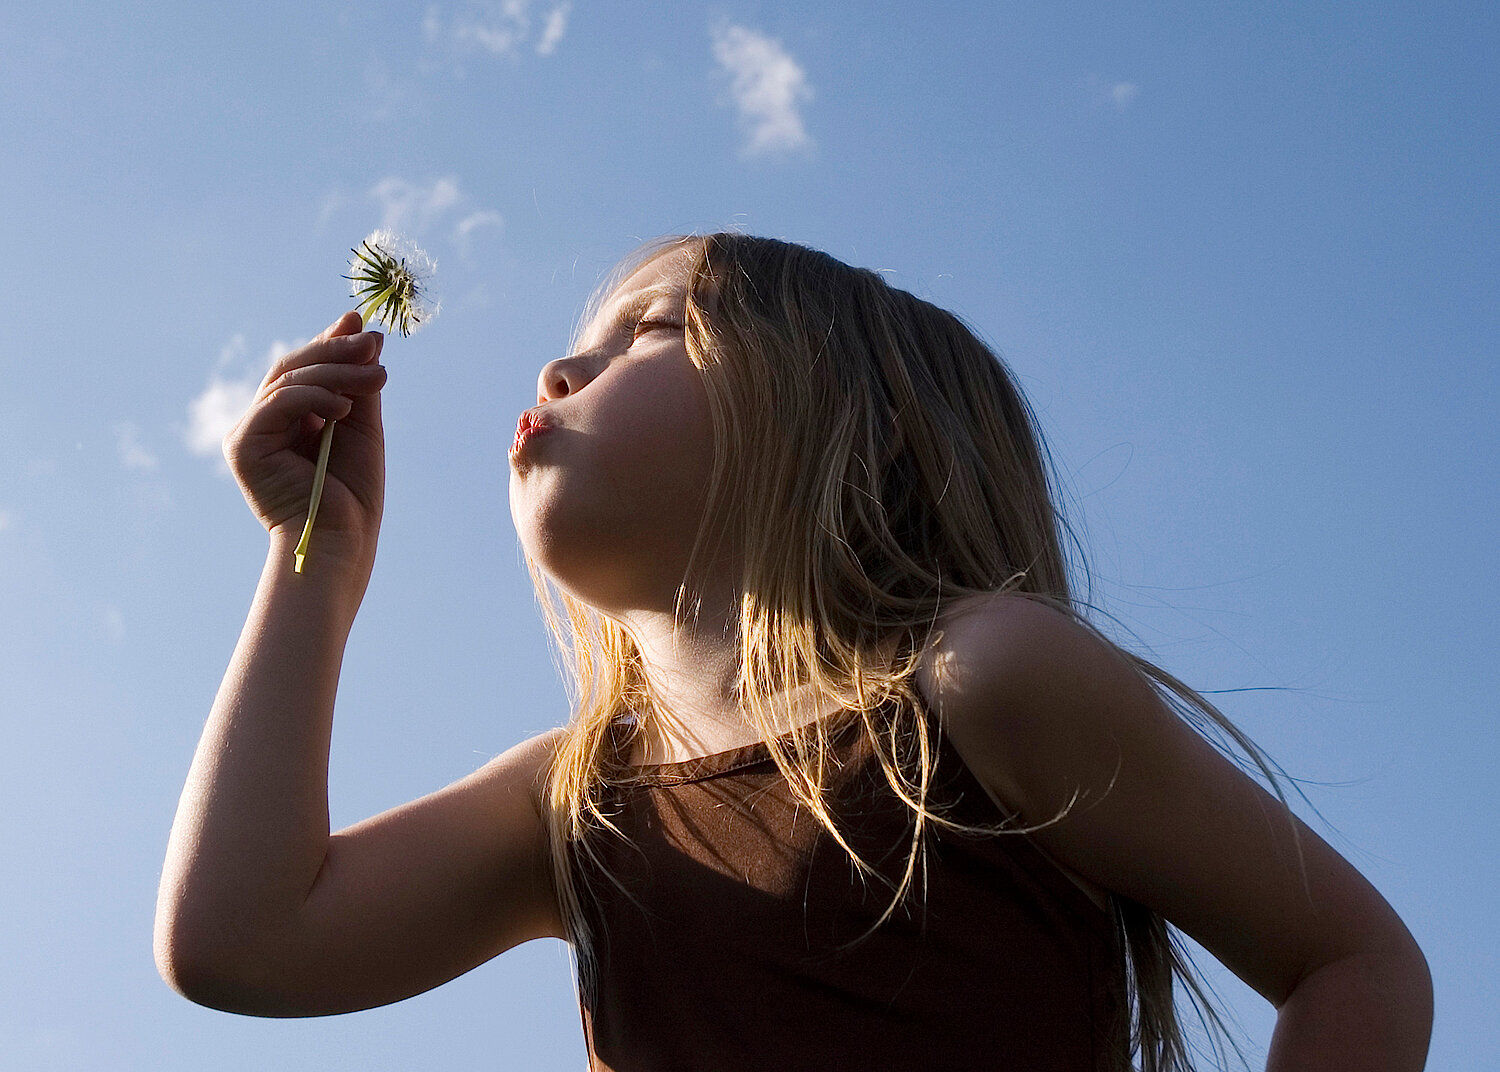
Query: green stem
(319, 474)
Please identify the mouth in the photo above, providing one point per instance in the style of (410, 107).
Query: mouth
(530, 425)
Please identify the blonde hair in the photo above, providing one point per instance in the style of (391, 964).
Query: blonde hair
(873, 462)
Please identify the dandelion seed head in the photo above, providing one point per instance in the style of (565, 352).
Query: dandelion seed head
(388, 276)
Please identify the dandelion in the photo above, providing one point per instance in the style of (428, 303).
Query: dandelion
(388, 277)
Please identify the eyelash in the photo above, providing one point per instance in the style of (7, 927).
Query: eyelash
(643, 326)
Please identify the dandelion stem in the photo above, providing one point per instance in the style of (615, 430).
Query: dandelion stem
(319, 475)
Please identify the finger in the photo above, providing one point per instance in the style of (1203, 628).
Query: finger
(345, 379)
(347, 324)
(361, 348)
(284, 410)
(365, 410)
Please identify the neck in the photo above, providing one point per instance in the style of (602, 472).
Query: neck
(693, 670)
(692, 666)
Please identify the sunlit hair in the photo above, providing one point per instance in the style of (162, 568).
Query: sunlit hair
(874, 462)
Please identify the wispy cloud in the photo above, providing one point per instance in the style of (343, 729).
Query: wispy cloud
(496, 27)
(1120, 94)
(409, 206)
(475, 221)
(553, 28)
(214, 412)
(231, 388)
(419, 208)
(130, 450)
(769, 88)
(7, 520)
(1123, 93)
(112, 622)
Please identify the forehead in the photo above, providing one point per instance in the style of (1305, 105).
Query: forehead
(662, 279)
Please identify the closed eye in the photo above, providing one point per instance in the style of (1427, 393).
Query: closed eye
(642, 327)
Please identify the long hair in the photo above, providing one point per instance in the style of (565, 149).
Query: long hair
(874, 461)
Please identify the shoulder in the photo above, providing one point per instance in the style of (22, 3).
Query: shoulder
(527, 764)
(1019, 650)
(1037, 702)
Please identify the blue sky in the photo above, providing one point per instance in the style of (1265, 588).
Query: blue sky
(1242, 258)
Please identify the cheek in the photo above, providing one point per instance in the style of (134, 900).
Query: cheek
(660, 429)
(622, 493)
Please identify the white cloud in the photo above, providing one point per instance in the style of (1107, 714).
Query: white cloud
(131, 451)
(473, 222)
(553, 29)
(768, 87)
(1110, 92)
(214, 412)
(112, 621)
(223, 402)
(495, 27)
(332, 204)
(409, 206)
(432, 25)
(7, 519)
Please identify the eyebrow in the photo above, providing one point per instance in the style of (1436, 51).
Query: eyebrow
(634, 307)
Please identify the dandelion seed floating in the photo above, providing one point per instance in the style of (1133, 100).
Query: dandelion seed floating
(388, 277)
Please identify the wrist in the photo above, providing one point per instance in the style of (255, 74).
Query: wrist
(331, 570)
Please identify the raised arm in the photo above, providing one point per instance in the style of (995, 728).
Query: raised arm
(261, 910)
(1042, 710)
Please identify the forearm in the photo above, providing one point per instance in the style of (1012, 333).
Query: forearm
(251, 831)
(1369, 1011)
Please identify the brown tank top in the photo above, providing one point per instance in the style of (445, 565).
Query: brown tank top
(726, 924)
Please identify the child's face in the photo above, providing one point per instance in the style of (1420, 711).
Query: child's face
(609, 472)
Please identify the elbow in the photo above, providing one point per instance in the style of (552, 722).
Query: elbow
(1419, 976)
(190, 966)
(194, 977)
(1378, 999)
(1395, 971)
(191, 978)
(195, 961)
(1407, 977)
(216, 982)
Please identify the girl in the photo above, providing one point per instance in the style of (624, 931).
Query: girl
(850, 781)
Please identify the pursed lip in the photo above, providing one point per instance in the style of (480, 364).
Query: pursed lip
(531, 424)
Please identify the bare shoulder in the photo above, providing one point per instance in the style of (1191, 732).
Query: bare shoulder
(1035, 701)
(528, 764)
(1008, 660)
(1001, 632)
(512, 785)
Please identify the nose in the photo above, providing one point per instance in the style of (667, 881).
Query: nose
(563, 376)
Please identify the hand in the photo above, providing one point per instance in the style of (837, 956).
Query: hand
(273, 449)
